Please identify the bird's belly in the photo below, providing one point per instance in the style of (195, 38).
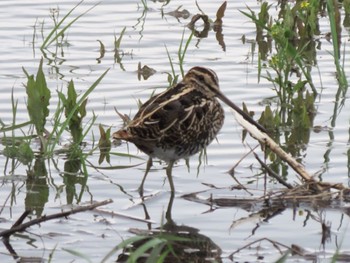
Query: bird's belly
(166, 154)
(175, 151)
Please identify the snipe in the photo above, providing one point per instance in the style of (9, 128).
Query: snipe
(180, 121)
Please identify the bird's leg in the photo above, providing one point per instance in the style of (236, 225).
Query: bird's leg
(169, 220)
(170, 178)
(148, 168)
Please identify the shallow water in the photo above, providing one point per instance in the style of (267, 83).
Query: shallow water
(229, 226)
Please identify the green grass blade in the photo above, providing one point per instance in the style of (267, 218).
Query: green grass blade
(140, 251)
(171, 63)
(116, 167)
(49, 39)
(343, 83)
(78, 254)
(181, 54)
(54, 30)
(119, 40)
(253, 17)
(126, 155)
(14, 127)
(157, 255)
(122, 245)
(88, 127)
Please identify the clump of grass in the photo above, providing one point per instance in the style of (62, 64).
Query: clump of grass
(74, 112)
(59, 29)
(38, 101)
(290, 63)
(149, 248)
(294, 36)
(288, 46)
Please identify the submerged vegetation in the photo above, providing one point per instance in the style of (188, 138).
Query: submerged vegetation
(58, 125)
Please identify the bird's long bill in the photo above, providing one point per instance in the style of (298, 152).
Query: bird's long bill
(245, 115)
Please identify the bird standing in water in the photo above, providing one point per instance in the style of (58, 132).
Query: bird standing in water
(180, 121)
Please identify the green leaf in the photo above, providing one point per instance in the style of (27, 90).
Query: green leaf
(70, 115)
(78, 254)
(25, 153)
(38, 99)
(118, 41)
(122, 245)
(140, 251)
(5, 128)
(56, 32)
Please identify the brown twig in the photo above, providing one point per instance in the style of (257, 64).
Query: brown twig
(276, 244)
(232, 170)
(19, 227)
(257, 133)
(272, 173)
(21, 218)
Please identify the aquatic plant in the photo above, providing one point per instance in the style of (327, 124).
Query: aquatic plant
(173, 77)
(59, 29)
(117, 50)
(38, 101)
(289, 64)
(334, 19)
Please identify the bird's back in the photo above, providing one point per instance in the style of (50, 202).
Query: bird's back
(175, 124)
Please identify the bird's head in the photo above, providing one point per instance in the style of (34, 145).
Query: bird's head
(204, 79)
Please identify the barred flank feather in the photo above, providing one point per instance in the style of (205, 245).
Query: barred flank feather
(180, 121)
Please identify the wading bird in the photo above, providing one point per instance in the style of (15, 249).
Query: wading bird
(180, 121)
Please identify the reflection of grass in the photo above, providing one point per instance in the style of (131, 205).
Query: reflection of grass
(142, 19)
(144, 4)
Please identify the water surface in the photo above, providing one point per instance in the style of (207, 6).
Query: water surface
(95, 233)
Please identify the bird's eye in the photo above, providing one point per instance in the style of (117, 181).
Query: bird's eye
(201, 77)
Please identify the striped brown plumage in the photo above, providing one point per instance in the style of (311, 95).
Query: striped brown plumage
(180, 121)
